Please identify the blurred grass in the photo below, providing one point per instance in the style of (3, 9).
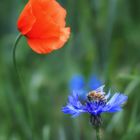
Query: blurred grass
(104, 41)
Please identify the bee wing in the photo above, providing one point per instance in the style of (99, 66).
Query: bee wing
(100, 89)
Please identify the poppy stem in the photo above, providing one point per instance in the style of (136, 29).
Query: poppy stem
(24, 100)
(97, 133)
(14, 53)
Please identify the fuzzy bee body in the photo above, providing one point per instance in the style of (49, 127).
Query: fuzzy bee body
(96, 96)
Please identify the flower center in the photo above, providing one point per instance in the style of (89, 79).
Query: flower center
(96, 97)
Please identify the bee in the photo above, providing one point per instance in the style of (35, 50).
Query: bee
(96, 96)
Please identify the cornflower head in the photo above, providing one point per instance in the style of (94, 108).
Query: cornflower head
(96, 103)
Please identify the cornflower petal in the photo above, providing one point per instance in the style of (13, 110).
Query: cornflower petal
(108, 95)
(94, 82)
(77, 82)
(115, 103)
(118, 99)
(74, 106)
(100, 90)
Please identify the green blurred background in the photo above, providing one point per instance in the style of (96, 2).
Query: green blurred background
(105, 40)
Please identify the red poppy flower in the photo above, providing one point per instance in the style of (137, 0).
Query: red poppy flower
(43, 24)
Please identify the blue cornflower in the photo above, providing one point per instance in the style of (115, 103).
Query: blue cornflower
(96, 103)
(77, 84)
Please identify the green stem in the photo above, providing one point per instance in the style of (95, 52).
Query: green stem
(97, 133)
(24, 100)
(14, 54)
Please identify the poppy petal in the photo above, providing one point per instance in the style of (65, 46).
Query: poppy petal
(26, 19)
(44, 46)
(43, 24)
(49, 19)
(50, 8)
(43, 28)
(56, 12)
